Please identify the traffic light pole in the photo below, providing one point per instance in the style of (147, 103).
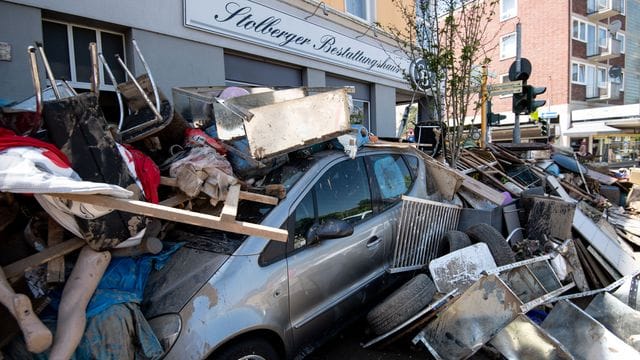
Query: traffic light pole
(484, 139)
(516, 120)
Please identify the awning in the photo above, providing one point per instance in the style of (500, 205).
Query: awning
(589, 128)
(633, 123)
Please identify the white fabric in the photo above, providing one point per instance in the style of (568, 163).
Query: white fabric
(29, 170)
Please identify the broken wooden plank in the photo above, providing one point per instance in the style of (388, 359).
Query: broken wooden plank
(179, 215)
(230, 208)
(174, 200)
(15, 270)
(55, 267)
(244, 195)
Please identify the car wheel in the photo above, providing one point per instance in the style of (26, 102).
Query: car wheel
(498, 246)
(248, 349)
(453, 240)
(402, 304)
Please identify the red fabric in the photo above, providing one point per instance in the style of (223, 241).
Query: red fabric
(148, 173)
(8, 139)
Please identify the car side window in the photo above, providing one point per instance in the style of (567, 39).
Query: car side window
(342, 192)
(393, 177)
(305, 216)
(412, 161)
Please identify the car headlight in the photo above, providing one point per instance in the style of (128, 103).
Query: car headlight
(167, 328)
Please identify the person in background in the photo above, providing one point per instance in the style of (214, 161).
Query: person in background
(411, 137)
(582, 151)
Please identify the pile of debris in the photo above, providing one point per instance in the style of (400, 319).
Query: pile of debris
(562, 284)
(72, 179)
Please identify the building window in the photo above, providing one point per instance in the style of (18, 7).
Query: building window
(578, 73)
(603, 37)
(579, 30)
(620, 37)
(67, 48)
(603, 78)
(508, 46)
(592, 43)
(360, 8)
(508, 9)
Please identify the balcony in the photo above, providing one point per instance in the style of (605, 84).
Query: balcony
(610, 92)
(602, 9)
(597, 53)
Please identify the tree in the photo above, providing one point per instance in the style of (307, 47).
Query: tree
(450, 41)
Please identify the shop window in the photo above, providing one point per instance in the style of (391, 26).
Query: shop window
(508, 9)
(360, 113)
(508, 46)
(67, 49)
(360, 8)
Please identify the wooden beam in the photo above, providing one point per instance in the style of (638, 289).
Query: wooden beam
(15, 270)
(260, 198)
(179, 215)
(174, 200)
(230, 208)
(55, 267)
(244, 195)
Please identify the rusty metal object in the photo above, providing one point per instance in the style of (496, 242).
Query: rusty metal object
(617, 317)
(461, 268)
(473, 319)
(585, 337)
(523, 339)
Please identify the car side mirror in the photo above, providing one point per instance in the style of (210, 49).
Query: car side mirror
(329, 229)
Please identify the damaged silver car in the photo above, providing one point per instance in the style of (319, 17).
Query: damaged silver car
(227, 296)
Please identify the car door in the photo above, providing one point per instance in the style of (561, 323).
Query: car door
(392, 178)
(327, 279)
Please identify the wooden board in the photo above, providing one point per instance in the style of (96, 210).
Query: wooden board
(244, 195)
(230, 208)
(55, 267)
(16, 270)
(179, 215)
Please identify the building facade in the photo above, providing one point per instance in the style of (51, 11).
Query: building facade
(586, 54)
(214, 43)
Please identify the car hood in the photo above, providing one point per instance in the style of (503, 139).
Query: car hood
(169, 289)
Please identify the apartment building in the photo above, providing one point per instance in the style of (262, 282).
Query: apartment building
(284, 43)
(585, 52)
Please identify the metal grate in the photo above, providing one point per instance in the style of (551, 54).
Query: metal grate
(422, 224)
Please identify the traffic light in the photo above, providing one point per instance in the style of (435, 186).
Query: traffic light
(520, 101)
(532, 92)
(544, 126)
(493, 119)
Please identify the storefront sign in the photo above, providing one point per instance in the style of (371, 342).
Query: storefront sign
(249, 21)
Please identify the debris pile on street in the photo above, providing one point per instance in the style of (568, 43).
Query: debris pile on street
(519, 248)
(71, 179)
(558, 286)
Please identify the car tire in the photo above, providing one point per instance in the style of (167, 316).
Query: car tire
(402, 304)
(497, 244)
(453, 240)
(247, 349)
